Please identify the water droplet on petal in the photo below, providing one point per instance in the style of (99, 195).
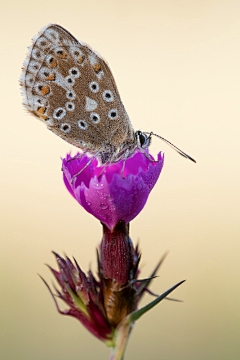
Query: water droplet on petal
(103, 206)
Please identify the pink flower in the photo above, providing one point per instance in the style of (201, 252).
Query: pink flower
(107, 305)
(110, 197)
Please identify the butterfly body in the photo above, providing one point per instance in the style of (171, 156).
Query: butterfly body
(71, 89)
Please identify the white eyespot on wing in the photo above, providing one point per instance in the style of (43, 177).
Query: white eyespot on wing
(61, 81)
(52, 35)
(42, 43)
(75, 51)
(100, 74)
(34, 66)
(51, 61)
(84, 144)
(107, 96)
(38, 101)
(30, 78)
(46, 74)
(60, 52)
(113, 114)
(80, 142)
(93, 60)
(59, 113)
(69, 80)
(82, 124)
(74, 72)
(77, 54)
(37, 54)
(90, 104)
(66, 128)
(39, 106)
(70, 94)
(70, 106)
(94, 87)
(95, 118)
(42, 88)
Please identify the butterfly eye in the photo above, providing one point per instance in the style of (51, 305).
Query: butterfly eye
(94, 87)
(59, 113)
(95, 118)
(65, 128)
(107, 96)
(82, 124)
(70, 80)
(74, 72)
(113, 114)
(70, 95)
(70, 106)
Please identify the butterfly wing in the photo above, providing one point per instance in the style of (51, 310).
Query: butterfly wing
(71, 88)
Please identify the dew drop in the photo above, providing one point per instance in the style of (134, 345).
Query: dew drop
(104, 206)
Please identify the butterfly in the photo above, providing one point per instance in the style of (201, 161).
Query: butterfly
(70, 88)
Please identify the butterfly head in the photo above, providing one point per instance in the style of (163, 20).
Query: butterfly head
(143, 140)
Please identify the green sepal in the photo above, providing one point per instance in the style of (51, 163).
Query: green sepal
(135, 315)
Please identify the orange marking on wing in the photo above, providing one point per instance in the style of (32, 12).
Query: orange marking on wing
(80, 60)
(62, 56)
(41, 110)
(43, 117)
(45, 90)
(97, 68)
(51, 77)
(53, 64)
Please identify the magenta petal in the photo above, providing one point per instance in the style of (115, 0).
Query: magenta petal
(113, 198)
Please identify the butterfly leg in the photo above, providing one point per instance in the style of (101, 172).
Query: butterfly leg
(146, 154)
(124, 162)
(89, 162)
(105, 165)
(78, 157)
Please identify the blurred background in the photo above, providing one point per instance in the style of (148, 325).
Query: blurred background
(177, 67)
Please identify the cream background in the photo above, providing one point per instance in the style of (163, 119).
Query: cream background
(177, 66)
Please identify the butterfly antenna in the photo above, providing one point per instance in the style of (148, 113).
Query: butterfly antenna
(173, 146)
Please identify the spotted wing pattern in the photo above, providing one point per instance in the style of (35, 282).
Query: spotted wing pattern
(71, 88)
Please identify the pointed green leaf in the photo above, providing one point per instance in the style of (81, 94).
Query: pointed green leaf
(138, 313)
(147, 282)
